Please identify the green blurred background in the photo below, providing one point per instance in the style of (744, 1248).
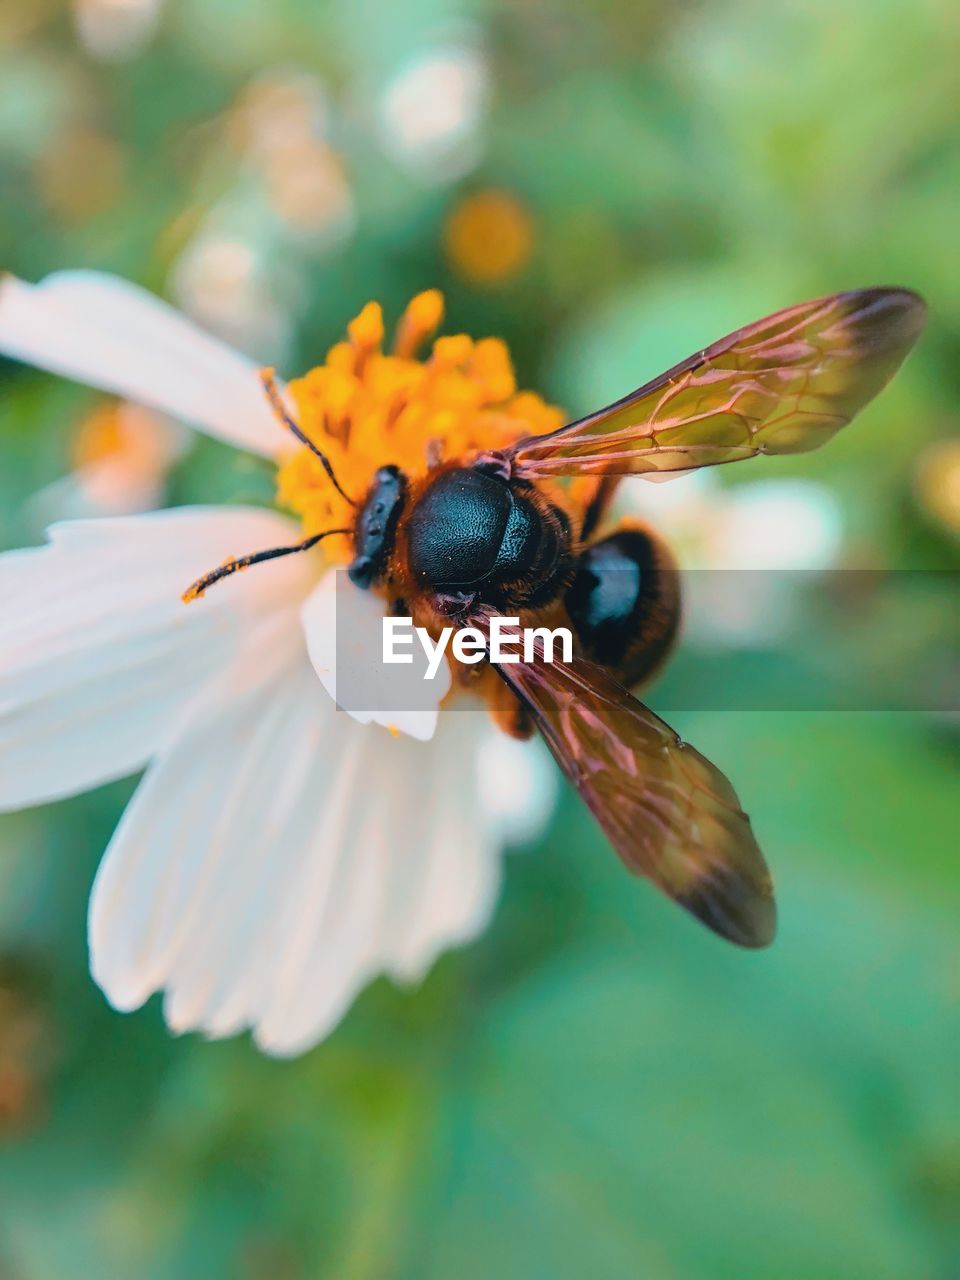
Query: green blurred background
(596, 1087)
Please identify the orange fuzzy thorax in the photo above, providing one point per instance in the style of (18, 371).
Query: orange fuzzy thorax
(365, 409)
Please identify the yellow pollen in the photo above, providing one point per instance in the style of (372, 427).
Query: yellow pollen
(450, 352)
(366, 332)
(421, 318)
(367, 409)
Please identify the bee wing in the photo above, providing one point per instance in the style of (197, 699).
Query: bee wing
(783, 385)
(669, 813)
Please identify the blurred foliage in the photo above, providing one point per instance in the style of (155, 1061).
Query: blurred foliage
(595, 1087)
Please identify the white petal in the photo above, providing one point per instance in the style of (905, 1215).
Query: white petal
(205, 805)
(344, 630)
(518, 786)
(417, 872)
(278, 856)
(777, 525)
(667, 502)
(324, 946)
(445, 863)
(111, 334)
(97, 651)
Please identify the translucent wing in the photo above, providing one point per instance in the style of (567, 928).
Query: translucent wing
(783, 385)
(670, 815)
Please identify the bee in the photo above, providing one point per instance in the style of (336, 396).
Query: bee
(496, 534)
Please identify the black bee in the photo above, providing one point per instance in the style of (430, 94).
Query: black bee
(493, 534)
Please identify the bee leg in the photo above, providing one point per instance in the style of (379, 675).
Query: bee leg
(506, 710)
(494, 463)
(453, 604)
(598, 505)
(624, 602)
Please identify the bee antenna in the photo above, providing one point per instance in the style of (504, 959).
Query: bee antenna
(276, 404)
(196, 589)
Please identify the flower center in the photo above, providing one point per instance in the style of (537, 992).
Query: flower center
(366, 409)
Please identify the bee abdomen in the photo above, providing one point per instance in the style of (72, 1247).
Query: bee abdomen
(624, 603)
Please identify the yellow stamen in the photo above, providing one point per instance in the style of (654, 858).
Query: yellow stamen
(421, 319)
(366, 331)
(490, 364)
(340, 358)
(366, 409)
(451, 352)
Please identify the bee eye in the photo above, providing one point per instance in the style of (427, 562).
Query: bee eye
(376, 526)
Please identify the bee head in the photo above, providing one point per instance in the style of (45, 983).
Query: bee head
(376, 526)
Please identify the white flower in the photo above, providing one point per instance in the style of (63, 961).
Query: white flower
(115, 29)
(432, 108)
(750, 548)
(122, 455)
(277, 854)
